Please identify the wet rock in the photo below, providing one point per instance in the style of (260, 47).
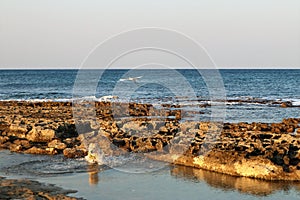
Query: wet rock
(142, 145)
(286, 104)
(157, 143)
(74, 153)
(49, 128)
(28, 189)
(37, 150)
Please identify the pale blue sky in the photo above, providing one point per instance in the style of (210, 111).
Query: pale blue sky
(236, 33)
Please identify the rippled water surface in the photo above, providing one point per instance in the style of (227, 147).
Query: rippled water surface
(255, 96)
(253, 92)
(171, 182)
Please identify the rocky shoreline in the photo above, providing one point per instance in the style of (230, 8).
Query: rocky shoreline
(256, 150)
(28, 189)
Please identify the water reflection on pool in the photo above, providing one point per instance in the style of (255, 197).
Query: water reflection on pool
(241, 184)
(171, 182)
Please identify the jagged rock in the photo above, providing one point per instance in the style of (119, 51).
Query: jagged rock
(74, 153)
(5, 145)
(204, 126)
(3, 139)
(4, 126)
(17, 131)
(66, 131)
(28, 189)
(57, 144)
(25, 144)
(49, 128)
(37, 134)
(15, 147)
(36, 150)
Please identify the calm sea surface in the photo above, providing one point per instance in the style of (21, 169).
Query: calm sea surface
(253, 95)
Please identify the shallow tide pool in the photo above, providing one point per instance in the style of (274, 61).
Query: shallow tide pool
(171, 182)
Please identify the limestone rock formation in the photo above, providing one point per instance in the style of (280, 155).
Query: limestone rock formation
(259, 150)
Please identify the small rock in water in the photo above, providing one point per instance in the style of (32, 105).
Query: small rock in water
(286, 104)
(74, 153)
(36, 150)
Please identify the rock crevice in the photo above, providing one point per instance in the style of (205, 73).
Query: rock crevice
(259, 150)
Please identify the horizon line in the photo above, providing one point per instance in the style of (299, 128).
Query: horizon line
(128, 68)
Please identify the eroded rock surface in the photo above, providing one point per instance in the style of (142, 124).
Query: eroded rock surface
(28, 189)
(259, 150)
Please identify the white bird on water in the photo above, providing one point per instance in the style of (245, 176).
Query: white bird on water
(134, 79)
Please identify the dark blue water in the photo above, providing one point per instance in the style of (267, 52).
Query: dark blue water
(253, 92)
(55, 84)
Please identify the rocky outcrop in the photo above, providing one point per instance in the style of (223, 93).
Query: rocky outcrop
(28, 189)
(259, 188)
(256, 150)
(268, 151)
(49, 127)
(37, 128)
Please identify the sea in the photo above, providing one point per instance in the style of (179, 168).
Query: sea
(250, 95)
(230, 95)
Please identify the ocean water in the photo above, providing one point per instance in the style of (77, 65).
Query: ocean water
(252, 95)
(242, 83)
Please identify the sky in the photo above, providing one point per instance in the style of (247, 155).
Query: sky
(235, 33)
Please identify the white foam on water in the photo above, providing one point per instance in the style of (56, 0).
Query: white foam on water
(127, 162)
(39, 100)
(296, 102)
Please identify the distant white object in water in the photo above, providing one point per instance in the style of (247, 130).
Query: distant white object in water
(134, 79)
(95, 154)
(108, 98)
